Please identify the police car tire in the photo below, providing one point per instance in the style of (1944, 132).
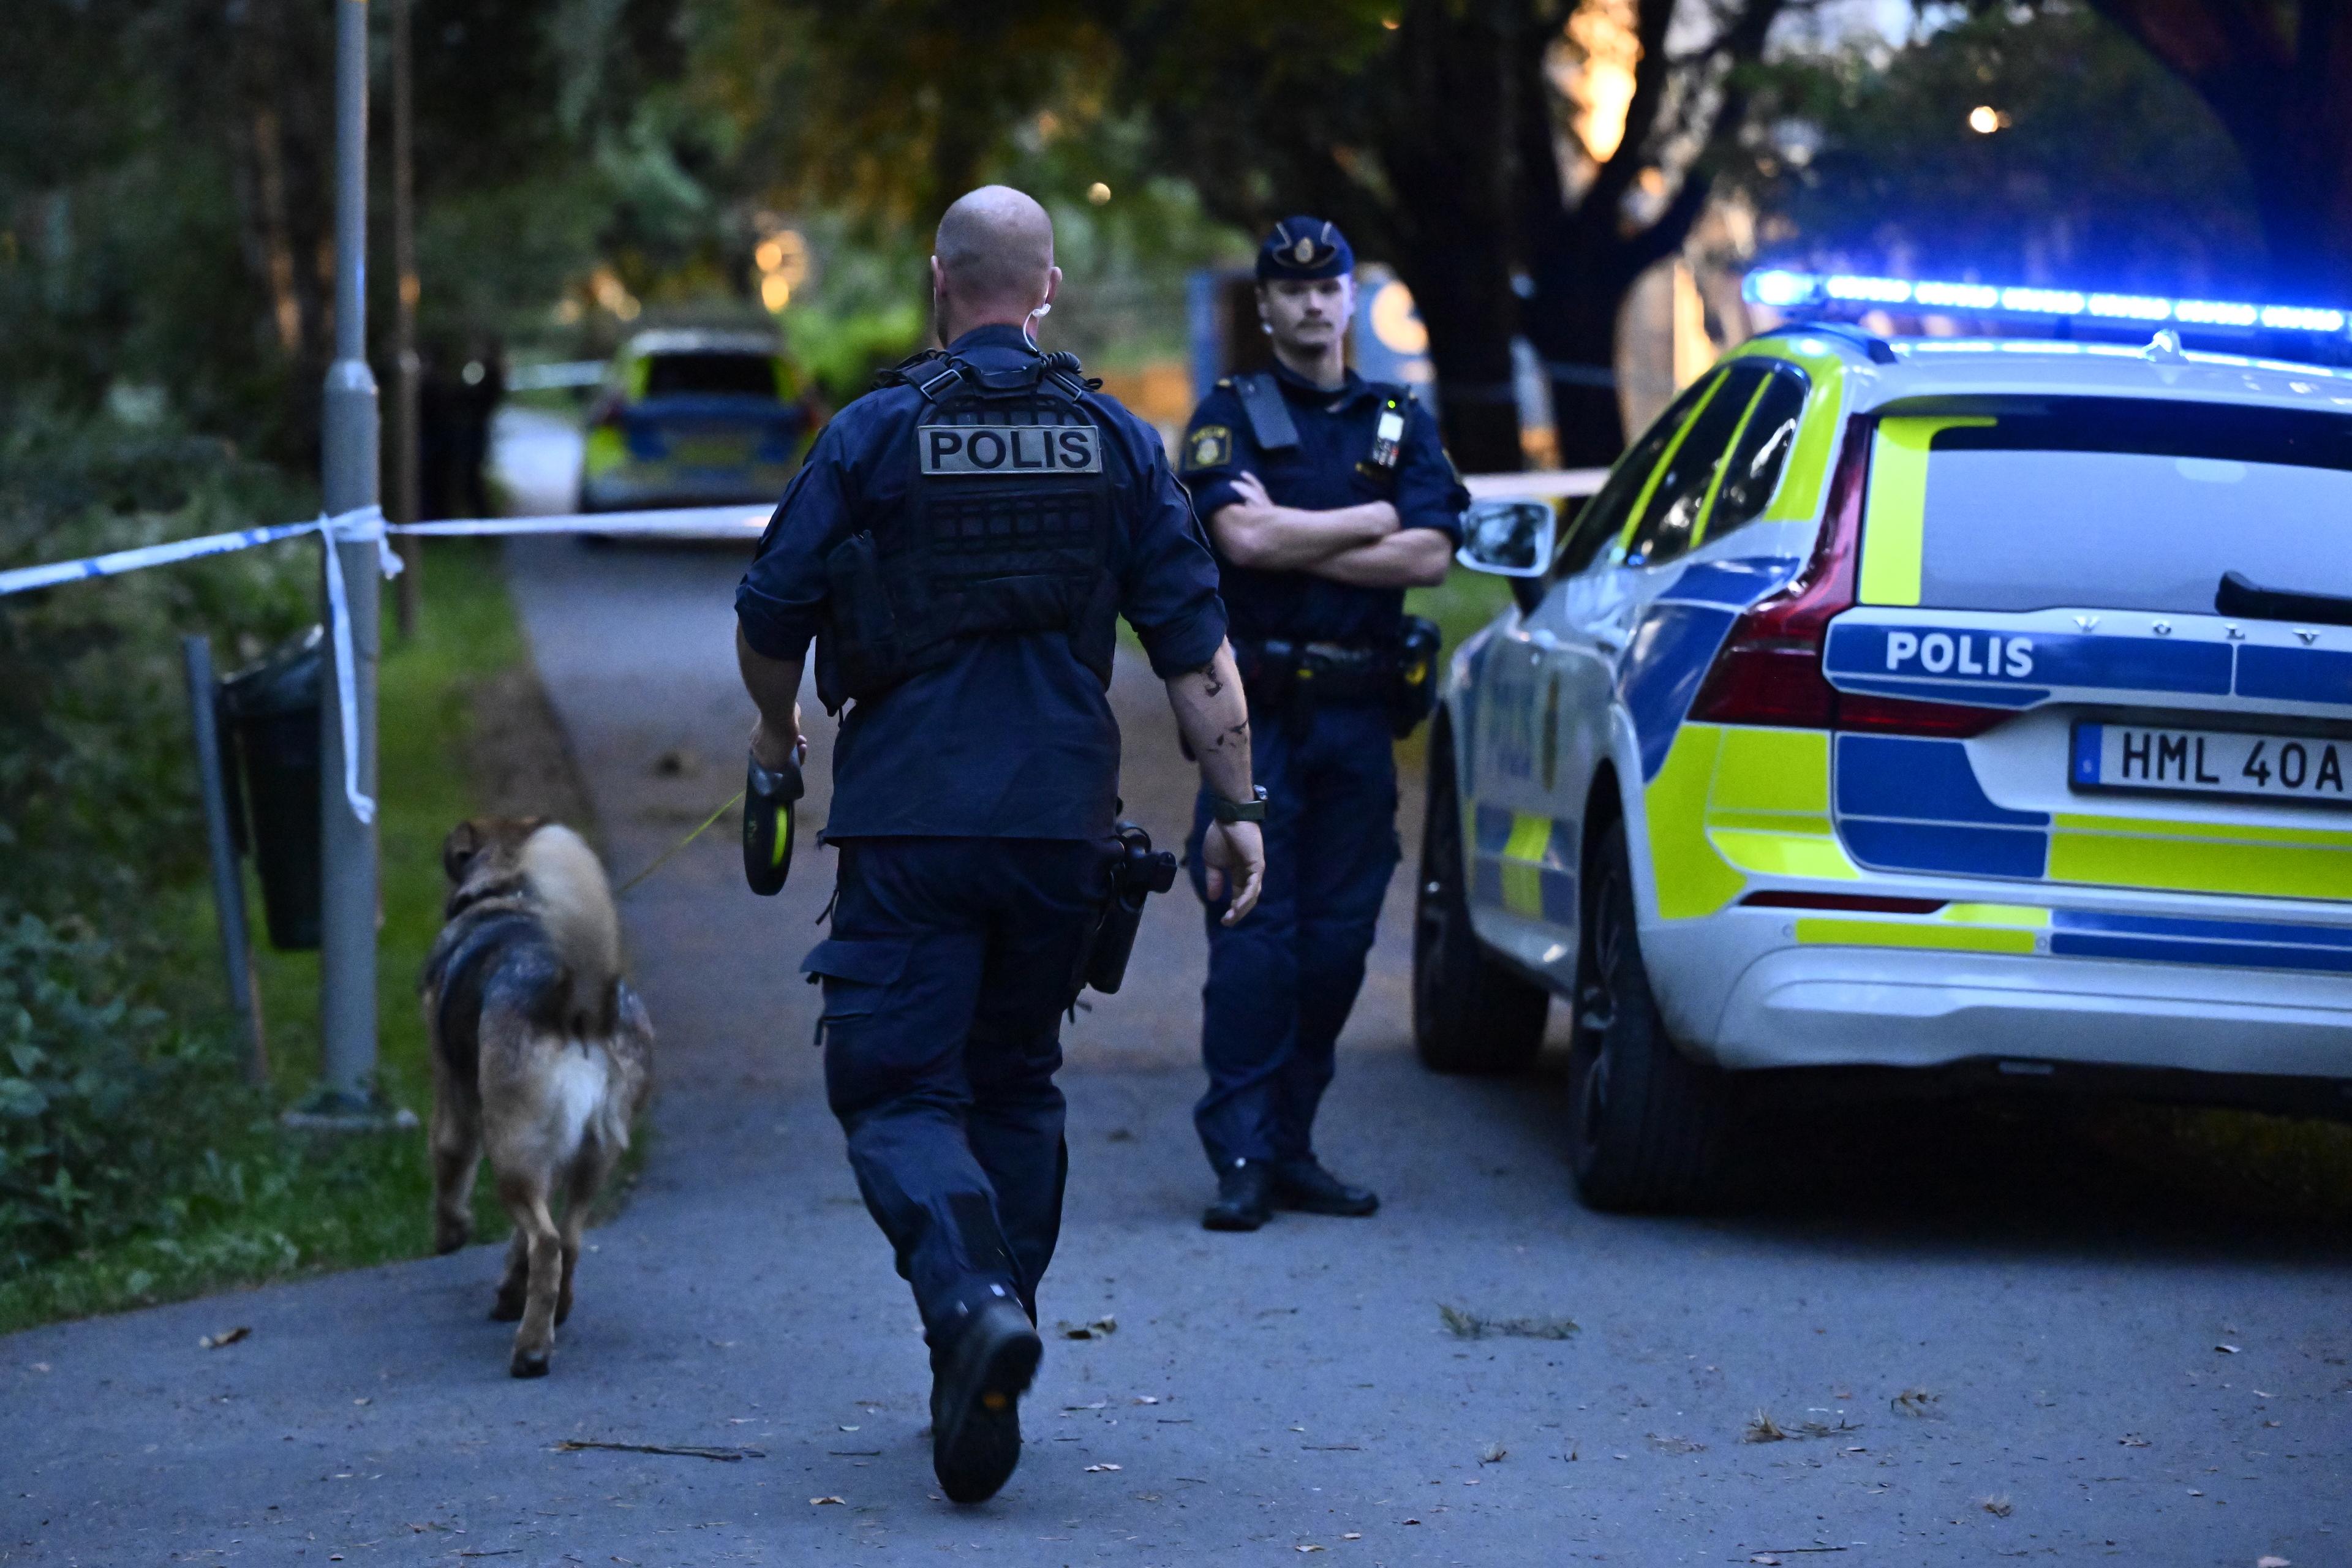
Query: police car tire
(1470, 1014)
(1647, 1122)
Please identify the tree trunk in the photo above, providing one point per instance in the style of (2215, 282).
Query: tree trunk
(1447, 157)
(284, 148)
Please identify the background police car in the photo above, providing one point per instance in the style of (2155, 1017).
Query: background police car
(1879, 713)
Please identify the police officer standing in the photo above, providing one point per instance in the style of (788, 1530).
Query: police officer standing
(1327, 496)
(958, 545)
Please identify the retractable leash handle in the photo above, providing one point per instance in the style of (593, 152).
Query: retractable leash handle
(768, 797)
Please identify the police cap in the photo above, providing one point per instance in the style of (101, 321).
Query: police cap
(1305, 247)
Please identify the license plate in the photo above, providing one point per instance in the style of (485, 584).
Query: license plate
(710, 451)
(2213, 762)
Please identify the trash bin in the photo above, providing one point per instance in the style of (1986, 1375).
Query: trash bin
(270, 711)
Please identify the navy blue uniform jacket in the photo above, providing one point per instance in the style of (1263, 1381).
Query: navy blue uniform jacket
(1015, 739)
(1327, 469)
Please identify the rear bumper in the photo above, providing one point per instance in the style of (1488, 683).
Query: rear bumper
(1834, 1007)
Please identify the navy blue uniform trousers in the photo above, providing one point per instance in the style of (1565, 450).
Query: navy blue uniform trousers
(1281, 982)
(945, 979)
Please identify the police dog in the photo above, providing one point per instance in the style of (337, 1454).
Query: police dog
(541, 1054)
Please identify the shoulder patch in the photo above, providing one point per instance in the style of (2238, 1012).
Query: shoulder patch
(1209, 447)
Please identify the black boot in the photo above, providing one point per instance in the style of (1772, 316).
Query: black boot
(1305, 1185)
(1244, 1198)
(975, 1408)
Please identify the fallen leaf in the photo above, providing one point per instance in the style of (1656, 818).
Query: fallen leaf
(1762, 1428)
(1997, 1505)
(1092, 1470)
(820, 1502)
(214, 1341)
(1916, 1402)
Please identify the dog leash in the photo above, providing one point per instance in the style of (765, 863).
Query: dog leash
(664, 857)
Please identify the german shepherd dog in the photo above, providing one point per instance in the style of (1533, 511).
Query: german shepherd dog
(541, 1054)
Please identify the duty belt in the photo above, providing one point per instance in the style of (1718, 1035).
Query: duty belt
(1279, 674)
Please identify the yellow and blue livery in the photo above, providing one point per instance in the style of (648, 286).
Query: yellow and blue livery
(1972, 706)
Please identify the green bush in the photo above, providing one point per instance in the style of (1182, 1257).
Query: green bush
(111, 1084)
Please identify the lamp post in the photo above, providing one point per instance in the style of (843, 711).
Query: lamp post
(346, 1095)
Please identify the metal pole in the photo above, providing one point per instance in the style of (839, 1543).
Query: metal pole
(406, 457)
(228, 880)
(346, 999)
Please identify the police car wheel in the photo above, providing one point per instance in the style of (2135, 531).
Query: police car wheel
(1647, 1122)
(1470, 1014)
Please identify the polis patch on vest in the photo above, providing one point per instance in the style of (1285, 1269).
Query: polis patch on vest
(1009, 449)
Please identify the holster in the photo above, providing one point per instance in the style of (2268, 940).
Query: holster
(1412, 681)
(1136, 871)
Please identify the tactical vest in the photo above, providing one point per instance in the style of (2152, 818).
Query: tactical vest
(1009, 530)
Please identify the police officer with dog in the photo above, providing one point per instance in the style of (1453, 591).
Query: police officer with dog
(958, 545)
(1326, 496)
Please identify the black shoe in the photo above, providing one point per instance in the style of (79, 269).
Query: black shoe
(975, 1402)
(1306, 1186)
(1244, 1197)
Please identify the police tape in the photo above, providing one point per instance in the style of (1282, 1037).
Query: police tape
(365, 525)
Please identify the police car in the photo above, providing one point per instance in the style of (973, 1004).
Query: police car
(1960, 704)
(695, 419)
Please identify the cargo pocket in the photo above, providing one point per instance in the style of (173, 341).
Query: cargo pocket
(856, 975)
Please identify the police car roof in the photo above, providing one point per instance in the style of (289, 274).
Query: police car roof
(701, 340)
(1945, 367)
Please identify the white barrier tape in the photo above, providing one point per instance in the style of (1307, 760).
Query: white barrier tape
(25, 579)
(358, 527)
(667, 522)
(1536, 485)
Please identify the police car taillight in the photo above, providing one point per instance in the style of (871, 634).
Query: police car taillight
(1769, 670)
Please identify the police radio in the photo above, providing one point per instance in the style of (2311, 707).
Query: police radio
(768, 797)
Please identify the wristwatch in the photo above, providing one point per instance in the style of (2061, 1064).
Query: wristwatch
(1250, 810)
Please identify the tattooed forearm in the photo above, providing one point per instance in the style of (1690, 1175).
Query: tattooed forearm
(1212, 716)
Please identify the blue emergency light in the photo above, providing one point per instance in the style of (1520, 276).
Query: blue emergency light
(1797, 292)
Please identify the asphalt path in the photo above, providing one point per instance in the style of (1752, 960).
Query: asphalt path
(1981, 1339)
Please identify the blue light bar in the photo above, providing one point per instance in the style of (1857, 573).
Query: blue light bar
(1788, 290)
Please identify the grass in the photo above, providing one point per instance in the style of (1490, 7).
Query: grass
(267, 1203)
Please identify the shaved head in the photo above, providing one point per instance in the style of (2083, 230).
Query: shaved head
(993, 260)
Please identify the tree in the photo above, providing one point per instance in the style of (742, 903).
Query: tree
(1437, 133)
(2279, 76)
(2102, 170)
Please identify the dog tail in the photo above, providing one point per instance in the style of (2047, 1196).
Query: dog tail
(575, 904)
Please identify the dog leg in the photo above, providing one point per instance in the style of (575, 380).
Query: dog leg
(526, 1199)
(590, 1168)
(456, 1141)
(514, 1287)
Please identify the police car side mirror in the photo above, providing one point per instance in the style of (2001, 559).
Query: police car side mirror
(1507, 538)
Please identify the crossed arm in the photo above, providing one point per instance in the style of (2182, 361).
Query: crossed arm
(1365, 546)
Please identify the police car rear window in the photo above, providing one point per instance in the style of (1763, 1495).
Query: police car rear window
(2118, 503)
(711, 375)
